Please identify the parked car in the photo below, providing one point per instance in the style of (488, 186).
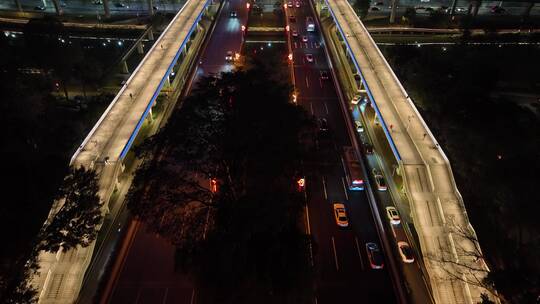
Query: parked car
(229, 56)
(379, 180)
(405, 252)
(323, 125)
(368, 148)
(324, 75)
(340, 215)
(375, 257)
(393, 215)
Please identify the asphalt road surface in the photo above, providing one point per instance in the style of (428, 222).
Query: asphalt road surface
(343, 269)
(148, 275)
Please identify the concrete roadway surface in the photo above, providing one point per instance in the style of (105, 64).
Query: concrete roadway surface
(131, 7)
(343, 269)
(147, 274)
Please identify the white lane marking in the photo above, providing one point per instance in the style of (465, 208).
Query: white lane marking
(320, 84)
(308, 227)
(335, 253)
(316, 302)
(206, 224)
(307, 82)
(326, 107)
(324, 188)
(311, 107)
(192, 296)
(359, 255)
(138, 296)
(165, 295)
(344, 188)
(343, 166)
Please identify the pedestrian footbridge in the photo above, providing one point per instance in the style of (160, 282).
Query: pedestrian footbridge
(447, 240)
(61, 274)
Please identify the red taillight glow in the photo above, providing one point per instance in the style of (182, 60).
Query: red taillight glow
(358, 182)
(213, 185)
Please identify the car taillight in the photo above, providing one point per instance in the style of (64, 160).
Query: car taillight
(358, 182)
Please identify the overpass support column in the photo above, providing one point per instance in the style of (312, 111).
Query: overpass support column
(151, 7)
(140, 48)
(18, 4)
(125, 68)
(106, 9)
(150, 34)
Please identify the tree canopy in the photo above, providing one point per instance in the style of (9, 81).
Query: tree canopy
(243, 240)
(78, 219)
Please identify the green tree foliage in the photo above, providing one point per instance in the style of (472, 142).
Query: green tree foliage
(410, 15)
(492, 144)
(15, 285)
(485, 299)
(361, 7)
(244, 240)
(78, 219)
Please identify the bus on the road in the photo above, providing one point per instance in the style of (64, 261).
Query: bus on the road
(354, 175)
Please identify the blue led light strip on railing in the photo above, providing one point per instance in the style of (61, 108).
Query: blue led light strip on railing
(364, 82)
(126, 148)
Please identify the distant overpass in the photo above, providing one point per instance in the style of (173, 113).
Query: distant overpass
(447, 240)
(61, 273)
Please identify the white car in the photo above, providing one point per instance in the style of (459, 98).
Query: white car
(309, 57)
(304, 38)
(359, 126)
(229, 56)
(379, 180)
(406, 252)
(297, 4)
(340, 214)
(289, 4)
(294, 33)
(393, 215)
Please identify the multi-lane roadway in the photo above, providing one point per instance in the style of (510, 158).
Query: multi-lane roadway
(343, 269)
